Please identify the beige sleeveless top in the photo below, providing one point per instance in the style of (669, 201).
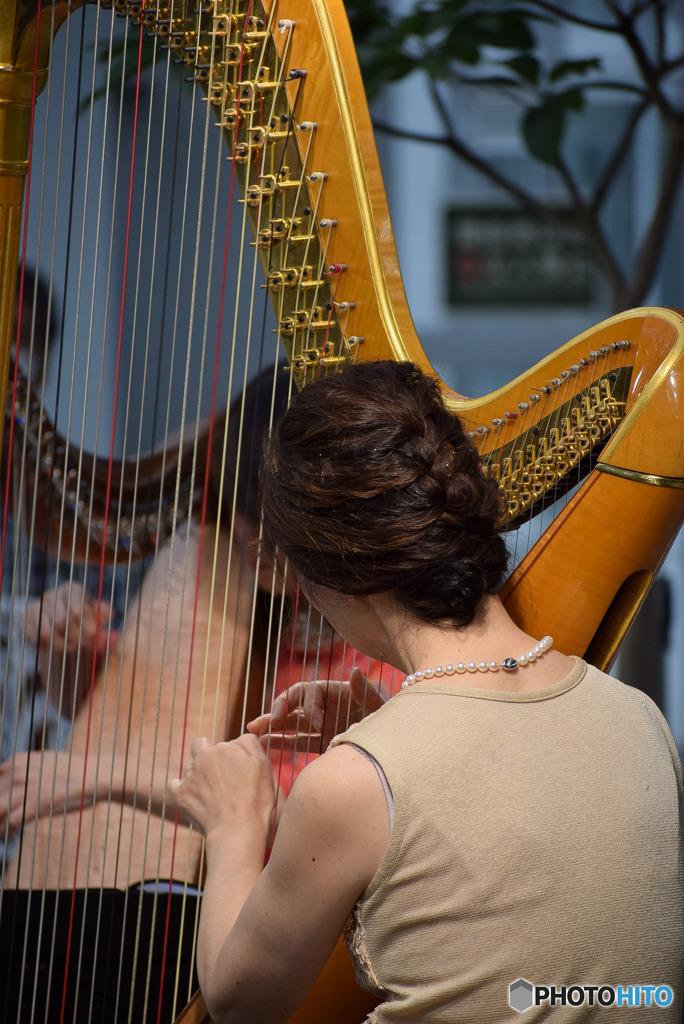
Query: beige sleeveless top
(536, 836)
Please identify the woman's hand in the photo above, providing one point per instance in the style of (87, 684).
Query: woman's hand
(228, 785)
(316, 711)
(68, 620)
(46, 780)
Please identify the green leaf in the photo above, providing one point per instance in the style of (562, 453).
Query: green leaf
(574, 67)
(542, 131)
(437, 64)
(571, 99)
(463, 49)
(507, 30)
(525, 66)
(391, 68)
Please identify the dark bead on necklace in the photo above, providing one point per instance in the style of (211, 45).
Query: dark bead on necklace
(509, 664)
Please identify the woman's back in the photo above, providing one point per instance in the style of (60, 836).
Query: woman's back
(535, 837)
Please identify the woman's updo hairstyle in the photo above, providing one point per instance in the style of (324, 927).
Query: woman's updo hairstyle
(369, 484)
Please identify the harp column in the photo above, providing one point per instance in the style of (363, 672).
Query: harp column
(26, 33)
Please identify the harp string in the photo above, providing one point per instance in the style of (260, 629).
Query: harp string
(137, 639)
(20, 574)
(98, 608)
(240, 428)
(8, 472)
(220, 500)
(41, 587)
(138, 277)
(253, 441)
(278, 166)
(565, 403)
(193, 632)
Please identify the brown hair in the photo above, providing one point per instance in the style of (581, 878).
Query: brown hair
(369, 484)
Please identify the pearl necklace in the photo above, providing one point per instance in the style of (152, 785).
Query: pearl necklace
(508, 664)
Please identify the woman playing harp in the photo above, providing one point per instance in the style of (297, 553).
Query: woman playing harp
(470, 826)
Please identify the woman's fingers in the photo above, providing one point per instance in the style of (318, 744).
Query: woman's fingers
(299, 743)
(367, 694)
(299, 708)
(201, 743)
(225, 783)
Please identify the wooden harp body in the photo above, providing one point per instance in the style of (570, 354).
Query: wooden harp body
(586, 447)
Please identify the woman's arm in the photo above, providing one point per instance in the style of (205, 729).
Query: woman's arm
(265, 935)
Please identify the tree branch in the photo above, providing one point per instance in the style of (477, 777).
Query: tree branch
(647, 260)
(649, 72)
(618, 158)
(617, 86)
(564, 15)
(460, 149)
(590, 226)
(670, 65)
(660, 30)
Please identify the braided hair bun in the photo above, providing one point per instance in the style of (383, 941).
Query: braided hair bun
(369, 484)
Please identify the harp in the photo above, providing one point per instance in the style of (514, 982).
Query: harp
(580, 444)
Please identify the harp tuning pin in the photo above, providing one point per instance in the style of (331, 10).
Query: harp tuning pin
(318, 176)
(295, 73)
(511, 415)
(545, 390)
(523, 406)
(345, 307)
(603, 351)
(555, 382)
(337, 268)
(534, 398)
(625, 344)
(355, 339)
(574, 369)
(328, 223)
(221, 25)
(286, 25)
(614, 345)
(593, 355)
(496, 422)
(308, 126)
(483, 430)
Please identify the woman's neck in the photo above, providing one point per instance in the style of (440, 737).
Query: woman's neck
(491, 636)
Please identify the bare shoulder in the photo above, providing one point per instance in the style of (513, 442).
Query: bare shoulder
(338, 804)
(340, 778)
